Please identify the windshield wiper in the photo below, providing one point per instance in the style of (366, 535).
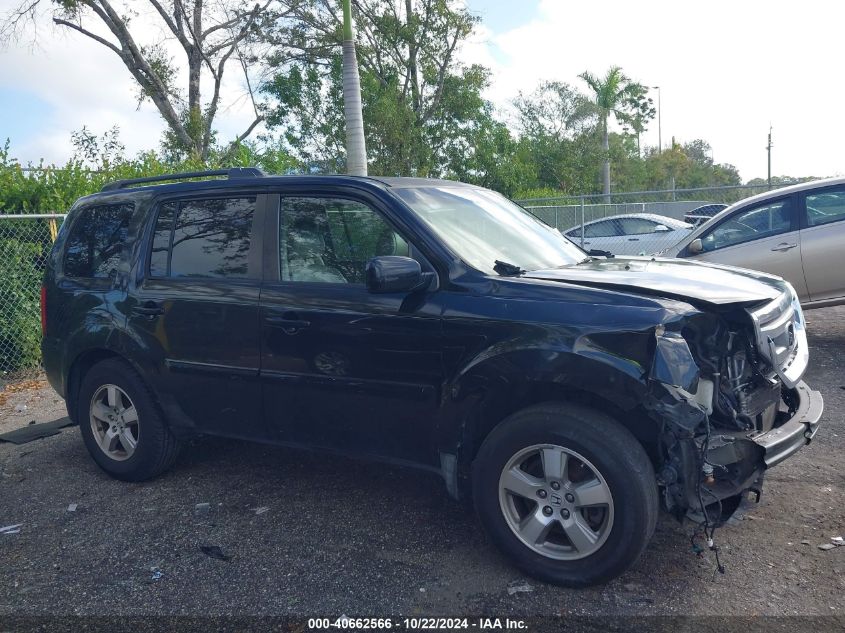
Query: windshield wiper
(506, 269)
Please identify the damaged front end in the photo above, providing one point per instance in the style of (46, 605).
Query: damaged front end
(726, 388)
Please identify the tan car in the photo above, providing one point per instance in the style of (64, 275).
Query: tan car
(796, 232)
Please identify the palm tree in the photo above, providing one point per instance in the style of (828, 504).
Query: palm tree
(356, 150)
(614, 95)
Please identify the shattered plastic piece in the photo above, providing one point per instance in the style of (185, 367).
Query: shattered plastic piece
(837, 540)
(202, 509)
(523, 588)
(214, 551)
(157, 573)
(72, 507)
(805, 542)
(11, 529)
(262, 510)
(21, 408)
(36, 431)
(826, 546)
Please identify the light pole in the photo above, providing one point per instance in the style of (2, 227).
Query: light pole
(659, 121)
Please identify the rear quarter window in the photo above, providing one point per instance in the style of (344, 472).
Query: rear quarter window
(96, 241)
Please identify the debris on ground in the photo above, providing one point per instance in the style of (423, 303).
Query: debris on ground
(201, 509)
(36, 431)
(837, 540)
(11, 529)
(18, 387)
(156, 574)
(262, 510)
(805, 542)
(72, 507)
(519, 588)
(21, 408)
(826, 546)
(214, 551)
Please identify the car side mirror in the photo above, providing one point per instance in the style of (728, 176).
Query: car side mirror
(661, 228)
(392, 273)
(695, 247)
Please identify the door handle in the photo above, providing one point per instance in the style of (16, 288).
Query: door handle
(149, 309)
(289, 323)
(783, 246)
(633, 239)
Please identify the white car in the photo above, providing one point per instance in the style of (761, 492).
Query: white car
(630, 234)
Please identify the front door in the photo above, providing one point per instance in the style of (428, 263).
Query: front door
(196, 310)
(343, 368)
(762, 237)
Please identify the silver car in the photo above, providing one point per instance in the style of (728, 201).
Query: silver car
(796, 232)
(630, 234)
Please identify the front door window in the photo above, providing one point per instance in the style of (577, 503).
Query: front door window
(767, 220)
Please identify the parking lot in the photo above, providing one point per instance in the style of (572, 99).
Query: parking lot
(310, 534)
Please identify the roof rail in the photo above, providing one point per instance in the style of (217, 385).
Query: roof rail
(235, 172)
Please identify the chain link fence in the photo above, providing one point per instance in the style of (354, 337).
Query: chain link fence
(25, 242)
(635, 223)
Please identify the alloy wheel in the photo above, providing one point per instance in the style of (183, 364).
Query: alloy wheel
(114, 421)
(556, 502)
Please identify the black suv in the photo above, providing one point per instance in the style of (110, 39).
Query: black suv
(433, 324)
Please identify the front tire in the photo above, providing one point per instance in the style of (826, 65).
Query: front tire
(121, 424)
(567, 493)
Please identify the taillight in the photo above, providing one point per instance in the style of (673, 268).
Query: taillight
(43, 310)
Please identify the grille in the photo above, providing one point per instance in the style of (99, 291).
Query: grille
(781, 337)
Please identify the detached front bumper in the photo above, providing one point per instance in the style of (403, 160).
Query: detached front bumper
(788, 438)
(736, 461)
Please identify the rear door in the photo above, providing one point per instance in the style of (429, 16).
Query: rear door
(196, 308)
(823, 242)
(763, 237)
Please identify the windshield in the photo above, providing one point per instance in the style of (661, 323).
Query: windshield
(482, 226)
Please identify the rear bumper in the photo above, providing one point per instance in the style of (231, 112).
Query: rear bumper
(784, 441)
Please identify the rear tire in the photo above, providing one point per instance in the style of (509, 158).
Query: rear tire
(567, 493)
(121, 424)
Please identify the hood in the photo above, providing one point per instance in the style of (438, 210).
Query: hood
(675, 278)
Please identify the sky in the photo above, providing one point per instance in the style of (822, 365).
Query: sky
(727, 70)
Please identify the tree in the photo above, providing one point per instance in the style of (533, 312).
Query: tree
(557, 130)
(209, 37)
(555, 110)
(356, 149)
(616, 95)
(417, 96)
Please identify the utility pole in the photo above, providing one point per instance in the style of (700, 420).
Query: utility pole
(659, 121)
(769, 150)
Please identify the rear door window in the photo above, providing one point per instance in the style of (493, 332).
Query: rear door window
(605, 228)
(826, 207)
(96, 241)
(637, 226)
(203, 238)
